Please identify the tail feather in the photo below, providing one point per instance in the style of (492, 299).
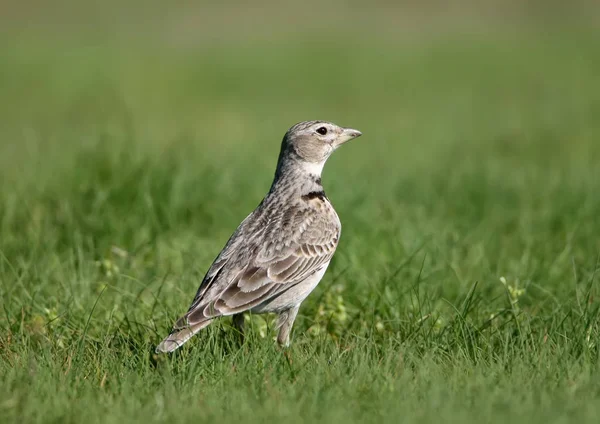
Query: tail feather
(179, 336)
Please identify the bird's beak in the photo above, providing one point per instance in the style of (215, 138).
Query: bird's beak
(347, 135)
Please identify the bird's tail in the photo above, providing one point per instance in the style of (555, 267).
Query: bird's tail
(179, 336)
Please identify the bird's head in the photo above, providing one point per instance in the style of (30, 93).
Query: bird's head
(312, 142)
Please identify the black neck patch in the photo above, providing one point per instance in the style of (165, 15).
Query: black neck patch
(315, 195)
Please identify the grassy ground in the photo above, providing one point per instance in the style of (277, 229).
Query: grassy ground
(464, 285)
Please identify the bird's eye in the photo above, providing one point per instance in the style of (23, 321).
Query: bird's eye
(322, 130)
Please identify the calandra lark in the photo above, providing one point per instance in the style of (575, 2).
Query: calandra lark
(279, 253)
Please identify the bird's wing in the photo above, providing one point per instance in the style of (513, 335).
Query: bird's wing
(281, 251)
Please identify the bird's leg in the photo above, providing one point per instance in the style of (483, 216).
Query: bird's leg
(239, 324)
(285, 322)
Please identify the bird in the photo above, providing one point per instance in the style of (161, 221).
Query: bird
(279, 253)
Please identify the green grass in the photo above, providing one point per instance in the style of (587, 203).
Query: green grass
(124, 170)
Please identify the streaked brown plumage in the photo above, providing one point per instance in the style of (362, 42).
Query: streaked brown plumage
(280, 252)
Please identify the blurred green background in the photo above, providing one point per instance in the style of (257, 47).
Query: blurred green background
(135, 136)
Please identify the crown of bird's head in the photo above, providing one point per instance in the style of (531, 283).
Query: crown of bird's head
(312, 142)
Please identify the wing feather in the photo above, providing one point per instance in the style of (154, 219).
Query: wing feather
(259, 263)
